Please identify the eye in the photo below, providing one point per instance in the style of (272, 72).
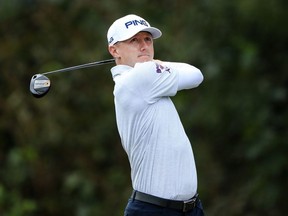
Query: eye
(148, 39)
(133, 40)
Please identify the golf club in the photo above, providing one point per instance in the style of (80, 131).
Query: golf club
(40, 84)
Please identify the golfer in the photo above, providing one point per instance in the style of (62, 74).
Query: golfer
(163, 171)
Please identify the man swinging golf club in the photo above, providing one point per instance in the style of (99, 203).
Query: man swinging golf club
(163, 171)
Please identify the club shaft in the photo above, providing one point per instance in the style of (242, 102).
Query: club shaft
(77, 67)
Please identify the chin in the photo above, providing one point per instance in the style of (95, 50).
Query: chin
(144, 59)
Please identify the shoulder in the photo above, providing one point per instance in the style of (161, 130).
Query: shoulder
(145, 67)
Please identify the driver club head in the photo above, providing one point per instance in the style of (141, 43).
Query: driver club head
(39, 85)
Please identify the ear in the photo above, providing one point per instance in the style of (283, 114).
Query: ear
(113, 51)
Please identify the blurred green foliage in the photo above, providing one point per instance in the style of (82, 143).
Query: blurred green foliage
(61, 154)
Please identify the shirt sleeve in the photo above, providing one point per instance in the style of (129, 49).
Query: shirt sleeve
(189, 76)
(152, 81)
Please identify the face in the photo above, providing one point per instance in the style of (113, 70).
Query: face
(138, 48)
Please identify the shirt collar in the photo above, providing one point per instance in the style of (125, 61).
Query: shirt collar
(119, 69)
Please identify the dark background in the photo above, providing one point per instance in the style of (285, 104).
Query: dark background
(61, 155)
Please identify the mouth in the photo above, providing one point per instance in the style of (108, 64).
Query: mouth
(144, 56)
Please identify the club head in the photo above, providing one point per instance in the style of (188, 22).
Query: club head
(39, 85)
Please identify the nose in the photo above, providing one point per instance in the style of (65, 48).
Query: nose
(143, 44)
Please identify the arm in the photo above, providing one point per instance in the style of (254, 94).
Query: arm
(189, 76)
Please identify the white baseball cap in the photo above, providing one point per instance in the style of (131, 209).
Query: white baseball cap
(127, 26)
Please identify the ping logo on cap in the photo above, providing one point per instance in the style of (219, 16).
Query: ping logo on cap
(135, 23)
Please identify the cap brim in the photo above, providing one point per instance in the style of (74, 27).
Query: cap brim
(156, 33)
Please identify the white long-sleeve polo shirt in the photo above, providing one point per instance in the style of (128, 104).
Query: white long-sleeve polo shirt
(159, 151)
